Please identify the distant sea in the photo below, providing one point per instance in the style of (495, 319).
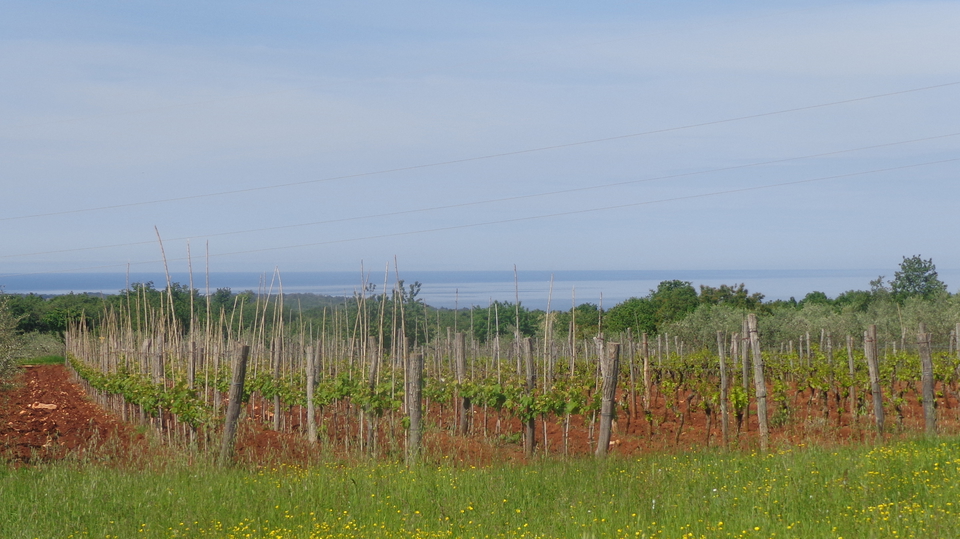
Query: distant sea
(465, 288)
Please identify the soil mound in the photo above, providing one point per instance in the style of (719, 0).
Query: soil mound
(48, 417)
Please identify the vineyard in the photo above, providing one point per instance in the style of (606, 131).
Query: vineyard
(365, 383)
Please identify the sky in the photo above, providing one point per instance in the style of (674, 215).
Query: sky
(316, 136)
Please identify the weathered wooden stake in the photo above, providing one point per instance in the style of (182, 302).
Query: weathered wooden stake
(853, 380)
(460, 364)
(192, 364)
(311, 387)
(745, 357)
(870, 350)
(929, 398)
(724, 390)
(233, 407)
(610, 368)
(631, 352)
(957, 332)
(529, 430)
(759, 382)
(646, 374)
(414, 399)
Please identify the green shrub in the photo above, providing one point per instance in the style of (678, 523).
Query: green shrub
(9, 343)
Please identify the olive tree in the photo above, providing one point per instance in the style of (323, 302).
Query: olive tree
(9, 342)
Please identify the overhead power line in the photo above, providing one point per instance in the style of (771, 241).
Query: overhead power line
(520, 219)
(485, 157)
(490, 201)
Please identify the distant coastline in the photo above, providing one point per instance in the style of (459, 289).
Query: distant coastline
(465, 288)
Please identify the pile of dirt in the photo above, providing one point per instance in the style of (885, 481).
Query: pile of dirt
(46, 416)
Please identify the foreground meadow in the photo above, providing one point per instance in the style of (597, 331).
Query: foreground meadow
(906, 489)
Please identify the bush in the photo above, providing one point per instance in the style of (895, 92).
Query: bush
(9, 343)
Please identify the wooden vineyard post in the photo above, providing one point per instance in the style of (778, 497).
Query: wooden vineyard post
(734, 354)
(277, 359)
(373, 359)
(870, 350)
(529, 422)
(744, 355)
(724, 390)
(759, 382)
(631, 353)
(462, 404)
(745, 371)
(610, 368)
(646, 374)
(929, 398)
(192, 365)
(311, 387)
(853, 381)
(233, 407)
(414, 399)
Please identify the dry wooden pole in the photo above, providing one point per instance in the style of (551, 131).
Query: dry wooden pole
(373, 372)
(610, 368)
(311, 386)
(745, 371)
(192, 364)
(414, 402)
(277, 350)
(929, 398)
(744, 358)
(529, 431)
(646, 374)
(373, 361)
(853, 381)
(631, 352)
(870, 350)
(724, 390)
(734, 354)
(759, 381)
(233, 408)
(462, 404)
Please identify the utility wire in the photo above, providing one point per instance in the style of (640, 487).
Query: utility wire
(488, 156)
(412, 74)
(521, 219)
(491, 201)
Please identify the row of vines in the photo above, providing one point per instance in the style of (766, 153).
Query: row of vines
(177, 379)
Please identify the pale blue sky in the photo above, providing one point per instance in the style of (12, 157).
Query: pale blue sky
(113, 103)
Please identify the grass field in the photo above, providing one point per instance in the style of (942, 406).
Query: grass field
(909, 489)
(43, 360)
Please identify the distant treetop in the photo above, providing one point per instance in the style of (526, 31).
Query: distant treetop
(917, 277)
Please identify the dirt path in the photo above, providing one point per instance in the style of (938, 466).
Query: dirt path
(48, 417)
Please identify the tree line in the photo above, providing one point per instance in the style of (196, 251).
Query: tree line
(675, 307)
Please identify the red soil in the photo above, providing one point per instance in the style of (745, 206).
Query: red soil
(48, 417)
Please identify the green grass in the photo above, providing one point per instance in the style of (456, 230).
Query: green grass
(43, 360)
(907, 489)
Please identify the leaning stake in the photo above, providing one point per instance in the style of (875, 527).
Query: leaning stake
(414, 400)
(929, 397)
(233, 407)
(759, 382)
(870, 350)
(610, 365)
(529, 426)
(724, 391)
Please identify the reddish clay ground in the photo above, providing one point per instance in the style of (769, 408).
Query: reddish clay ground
(803, 416)
(47, 416)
